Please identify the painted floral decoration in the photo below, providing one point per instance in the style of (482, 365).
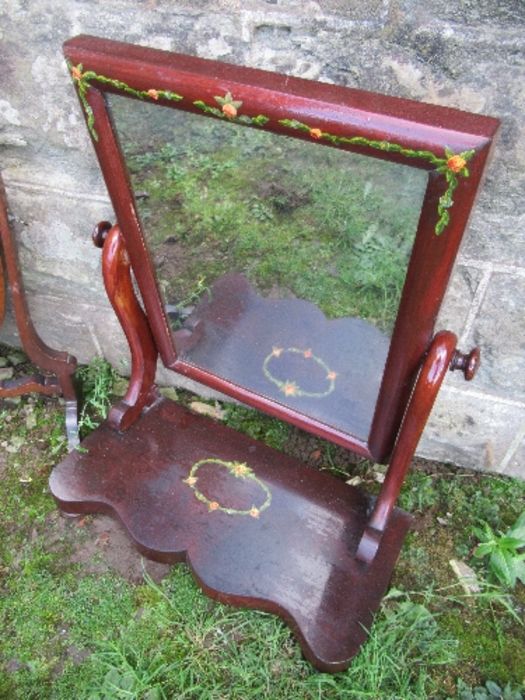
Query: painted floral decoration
(239, 470)
(452, 166)
(289, 387)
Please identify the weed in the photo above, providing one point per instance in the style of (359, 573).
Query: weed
(97, 380)
(418, 492)
(130, 675)
(490, 691)
(505, 552)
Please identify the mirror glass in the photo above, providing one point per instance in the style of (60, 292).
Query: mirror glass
(280, 261)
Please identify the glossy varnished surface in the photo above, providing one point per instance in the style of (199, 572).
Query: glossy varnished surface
(286, 546)
(287, 351)
(334, 109)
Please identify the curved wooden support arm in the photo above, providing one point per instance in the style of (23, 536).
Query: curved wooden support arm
(116, 271)
(433, 371)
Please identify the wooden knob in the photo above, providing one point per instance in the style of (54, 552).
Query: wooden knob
(100, 232)
(466, 363)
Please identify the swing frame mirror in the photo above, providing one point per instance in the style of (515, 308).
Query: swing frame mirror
(451, 146)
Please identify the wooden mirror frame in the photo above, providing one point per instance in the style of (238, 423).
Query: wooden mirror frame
(453, 146)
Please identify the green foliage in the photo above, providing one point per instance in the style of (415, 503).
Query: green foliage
(505, 552)
(131, 675)
(258, 426)
(97, 380)
(490, 691)
(418, 492)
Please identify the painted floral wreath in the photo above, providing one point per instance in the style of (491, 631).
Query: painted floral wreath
(291, 388)
(239, 470)
(451, 166)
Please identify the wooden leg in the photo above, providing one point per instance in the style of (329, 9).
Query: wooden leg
(116, 271)
(60, 364)
(435, 366)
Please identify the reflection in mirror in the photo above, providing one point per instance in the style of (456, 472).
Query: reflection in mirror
(281, 263)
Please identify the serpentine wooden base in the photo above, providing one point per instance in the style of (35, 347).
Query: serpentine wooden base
(258, 529)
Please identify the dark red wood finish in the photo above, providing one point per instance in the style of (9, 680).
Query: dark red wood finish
(339, 111)
(282, 537)
(296, 558)
(428, 383)
(119, 287)
(60, 364)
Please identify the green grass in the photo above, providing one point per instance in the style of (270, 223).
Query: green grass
(69, 632)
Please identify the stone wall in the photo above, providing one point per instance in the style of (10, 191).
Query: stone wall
(468, 54)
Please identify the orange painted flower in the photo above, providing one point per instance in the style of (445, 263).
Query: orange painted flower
(229, 110)
(277, 352)
(456, 164)
(240, 469)
(254, 512)
(290, 389)
(307, 354)
(154, 94)
(76, 73)
(331, 375)
(213, 505)
(316, 133)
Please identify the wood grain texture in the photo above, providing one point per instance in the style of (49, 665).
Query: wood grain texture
(295, 558)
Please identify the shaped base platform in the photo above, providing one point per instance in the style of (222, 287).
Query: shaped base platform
(257, 528)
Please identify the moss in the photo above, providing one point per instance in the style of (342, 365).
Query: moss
(486, 649)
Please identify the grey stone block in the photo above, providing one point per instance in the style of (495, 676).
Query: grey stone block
(471, 431)
(499, 330)
(458, 298)
(516, 464)
(55, 250)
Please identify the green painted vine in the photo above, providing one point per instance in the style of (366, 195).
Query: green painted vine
(452, 165)
(239, 470)
(230, 111)
(83, 81)
(289, 387)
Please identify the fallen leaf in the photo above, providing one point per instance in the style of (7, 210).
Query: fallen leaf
(466, 576)
(31, 421)
(205, 409)
(169, 392)
(103, 539)
(15, 444)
